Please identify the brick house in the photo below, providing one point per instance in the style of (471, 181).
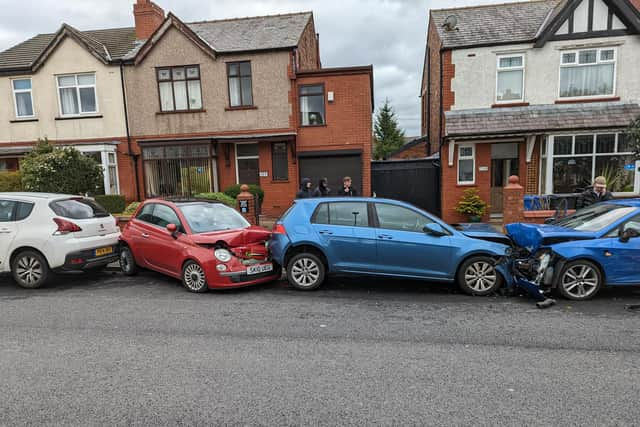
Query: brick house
(214, 103)
(538, 89)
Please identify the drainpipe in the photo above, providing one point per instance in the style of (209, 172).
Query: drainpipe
(134, 157)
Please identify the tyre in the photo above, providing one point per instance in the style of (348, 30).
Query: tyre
(127, 262)
(193, 277)
(580, 280)
(305, 271)
(30, 269)
(478, 276)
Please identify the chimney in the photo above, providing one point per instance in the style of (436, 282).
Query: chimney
(148, 17)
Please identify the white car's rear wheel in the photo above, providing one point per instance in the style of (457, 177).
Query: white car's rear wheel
(30, 270)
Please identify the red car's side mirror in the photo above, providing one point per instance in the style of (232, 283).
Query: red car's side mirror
(172, 228)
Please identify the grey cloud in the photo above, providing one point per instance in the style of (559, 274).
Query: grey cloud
(390, 34)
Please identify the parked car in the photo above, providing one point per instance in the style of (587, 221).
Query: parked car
(388, 238)
(579, 254)
(206, 244)
(43, 232)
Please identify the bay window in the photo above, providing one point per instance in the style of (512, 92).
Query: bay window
(106, 156)
(466, 164)
(587, 73)
(77, 94)
(22, 97)
(179, 88)
(570, 163)
(510, 79)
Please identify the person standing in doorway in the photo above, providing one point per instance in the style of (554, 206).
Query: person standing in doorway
(597, 193)
(322, 190)
(347, 189)
(305, 189)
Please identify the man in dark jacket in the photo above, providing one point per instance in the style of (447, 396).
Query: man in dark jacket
(597, 193)
(347, 189)
(305, 189)
(322, 190)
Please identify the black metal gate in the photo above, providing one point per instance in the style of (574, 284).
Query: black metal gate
(413, 181)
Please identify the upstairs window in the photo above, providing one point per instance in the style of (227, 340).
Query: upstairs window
(22, 98)
(77, 93)
(510, 79)
(312, 105)
(240, 87)
(179, 88)
(587, 73)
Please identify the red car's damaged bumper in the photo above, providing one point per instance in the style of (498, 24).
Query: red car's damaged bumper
(237, 274)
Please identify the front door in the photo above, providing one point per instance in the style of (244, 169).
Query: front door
(504, 163)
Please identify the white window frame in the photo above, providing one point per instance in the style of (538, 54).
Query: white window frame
(501, 69)
(77, 88)
(471, 157)
(15, 99)
(576, 63)
(104, 150)
(245, 157)
(549, 156)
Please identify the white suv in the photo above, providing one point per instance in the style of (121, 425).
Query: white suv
(42, 232)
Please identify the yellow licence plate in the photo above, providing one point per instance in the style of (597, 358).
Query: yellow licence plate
(104, 251)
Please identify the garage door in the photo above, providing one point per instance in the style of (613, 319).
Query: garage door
(333, 166)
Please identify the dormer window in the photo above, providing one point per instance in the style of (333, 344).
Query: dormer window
(510, 79)
(587, 73)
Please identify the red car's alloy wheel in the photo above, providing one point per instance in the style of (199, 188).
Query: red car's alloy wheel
(193, 277)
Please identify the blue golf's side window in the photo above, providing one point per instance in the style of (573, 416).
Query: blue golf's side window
(393, 217)
(352, 214)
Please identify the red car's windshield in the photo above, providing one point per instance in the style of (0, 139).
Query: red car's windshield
(209, 217)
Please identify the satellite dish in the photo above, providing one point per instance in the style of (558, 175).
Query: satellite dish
(450, 23)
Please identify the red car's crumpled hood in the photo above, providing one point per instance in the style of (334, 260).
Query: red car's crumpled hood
(234, 238)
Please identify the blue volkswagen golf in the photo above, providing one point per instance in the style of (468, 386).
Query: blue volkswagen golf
(380, 237)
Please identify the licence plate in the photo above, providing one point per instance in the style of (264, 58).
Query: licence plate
(104, 251)
(260, 268)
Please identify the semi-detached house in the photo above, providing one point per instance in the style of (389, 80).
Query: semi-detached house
(539, 89)
(208, 104)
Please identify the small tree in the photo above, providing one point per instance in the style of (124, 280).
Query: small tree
(389, 137)
(60, 170)
(471, 204)
(633, 137)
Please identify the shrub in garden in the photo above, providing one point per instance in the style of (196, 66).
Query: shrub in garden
(131, 208)
(220, 197)
(113, 203)
(10, 181)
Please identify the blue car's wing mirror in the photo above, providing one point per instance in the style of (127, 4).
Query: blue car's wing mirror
(434, 229)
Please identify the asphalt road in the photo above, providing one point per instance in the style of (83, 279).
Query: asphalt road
(106, 349)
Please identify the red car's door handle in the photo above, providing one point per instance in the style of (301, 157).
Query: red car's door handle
(145, 235)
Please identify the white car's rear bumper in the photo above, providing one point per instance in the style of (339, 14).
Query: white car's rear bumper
(60, 250)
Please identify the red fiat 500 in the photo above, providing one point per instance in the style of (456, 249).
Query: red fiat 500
(205, 244)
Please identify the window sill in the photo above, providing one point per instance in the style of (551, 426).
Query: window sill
(579, 100)
(279, 181)
(510, 104)
(161, 113)
(96, 116)
(24, 120)
(466, 184)
(313, 126)
(240, 108)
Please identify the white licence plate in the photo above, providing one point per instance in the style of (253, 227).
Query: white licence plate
(260, 268)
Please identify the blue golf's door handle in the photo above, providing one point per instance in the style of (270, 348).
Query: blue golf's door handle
(385, 236)
(325, 232)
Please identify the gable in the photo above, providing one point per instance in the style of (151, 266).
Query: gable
(575, 19)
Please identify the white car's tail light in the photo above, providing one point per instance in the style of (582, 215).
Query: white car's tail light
(65, 227)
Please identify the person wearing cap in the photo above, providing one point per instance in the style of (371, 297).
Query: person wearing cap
(595, 194)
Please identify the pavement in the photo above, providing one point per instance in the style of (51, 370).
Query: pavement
(107, 349)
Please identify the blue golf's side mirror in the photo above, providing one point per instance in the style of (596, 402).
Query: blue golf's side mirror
(434, 229)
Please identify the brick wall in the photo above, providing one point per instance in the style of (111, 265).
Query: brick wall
(636, 3)
(418, 151)
(308, 50)
(432, 103)
(533, 168)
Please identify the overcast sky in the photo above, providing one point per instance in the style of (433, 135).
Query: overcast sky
(390, 34)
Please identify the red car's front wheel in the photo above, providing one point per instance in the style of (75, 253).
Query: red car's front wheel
(193, 277)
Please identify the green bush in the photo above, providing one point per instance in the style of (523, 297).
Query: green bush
(131, 208)
(10, 181)
(113, 203)
(220, 197)
(234, 190)
(51, 169)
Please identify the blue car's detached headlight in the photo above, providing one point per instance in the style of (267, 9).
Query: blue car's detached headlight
(222, 255)
(508, 251)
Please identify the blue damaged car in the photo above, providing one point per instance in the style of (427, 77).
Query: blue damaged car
(388, 238)
(579, 254)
